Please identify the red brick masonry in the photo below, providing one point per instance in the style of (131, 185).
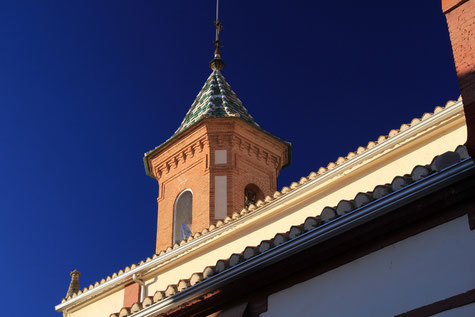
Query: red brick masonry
(132, 294)
(188, 162)
(460, 16)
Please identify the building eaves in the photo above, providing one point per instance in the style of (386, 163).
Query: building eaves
(351, 158)
(447, 167)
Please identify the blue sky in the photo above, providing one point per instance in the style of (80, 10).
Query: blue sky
(86, 87)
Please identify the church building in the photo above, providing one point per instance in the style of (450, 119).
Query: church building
(387, 230)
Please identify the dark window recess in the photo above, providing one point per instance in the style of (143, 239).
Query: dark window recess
(252, 194)
(183, 216)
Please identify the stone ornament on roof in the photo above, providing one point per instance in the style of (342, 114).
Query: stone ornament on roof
(74, 285)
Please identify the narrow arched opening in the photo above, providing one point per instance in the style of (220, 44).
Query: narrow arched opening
(183, 216)
(252, 194)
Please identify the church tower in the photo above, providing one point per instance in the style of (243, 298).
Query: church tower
(217, 162)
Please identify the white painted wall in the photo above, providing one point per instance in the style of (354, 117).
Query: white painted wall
(101, 307)
(431, 266)
(220, 197)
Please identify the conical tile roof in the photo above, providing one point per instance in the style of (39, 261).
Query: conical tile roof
(215, 100)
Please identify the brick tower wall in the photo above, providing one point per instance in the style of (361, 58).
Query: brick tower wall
(216, 160)
(183, 165)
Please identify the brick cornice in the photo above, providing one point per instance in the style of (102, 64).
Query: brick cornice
(210, 125)
(230, 136)
(250, 148)
(166, 163)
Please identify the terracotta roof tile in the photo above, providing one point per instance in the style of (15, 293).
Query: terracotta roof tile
(419, 172)
(362, 199)
(158, 296)
(171, 290)
(311, 223)
(195, 278)
(208, 272)
(344, 206)
(280, 238)
(147, 301)
(328, 213)
(265, 245)
(182, 284)
(381, 190)
(136, 307)
(445, 160)
(124, 312)
(400, 182)
(249, 252)
(295, 231)
(235, 259)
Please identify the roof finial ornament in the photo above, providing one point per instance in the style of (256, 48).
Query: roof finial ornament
(74, 285)
(217, 63)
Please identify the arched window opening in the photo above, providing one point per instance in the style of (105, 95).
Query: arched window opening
(252, 194)
(183, 216)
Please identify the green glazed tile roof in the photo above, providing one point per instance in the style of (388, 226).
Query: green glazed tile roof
(215, 100)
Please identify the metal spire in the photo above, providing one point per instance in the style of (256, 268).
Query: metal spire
(216, 23)
(217, 63)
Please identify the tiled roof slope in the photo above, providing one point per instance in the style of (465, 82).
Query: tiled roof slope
(286, 189)
(344, 207)
(215, 100)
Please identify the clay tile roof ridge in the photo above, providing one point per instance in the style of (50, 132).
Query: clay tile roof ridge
(391, 133)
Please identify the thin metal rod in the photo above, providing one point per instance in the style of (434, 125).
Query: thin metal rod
(217, 18)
